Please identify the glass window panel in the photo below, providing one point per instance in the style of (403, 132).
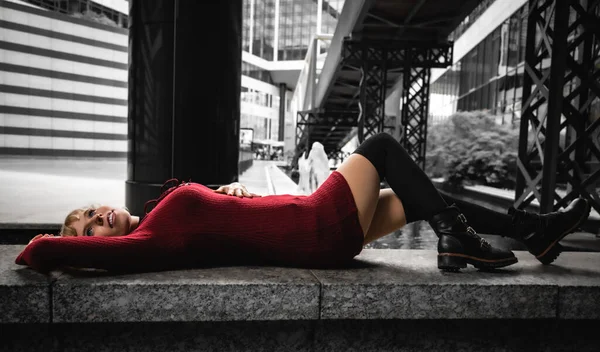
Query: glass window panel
(485, 97)
(493, 96)
(523, 39)
(477, 103)
(460, 105)
(503, 62)
(473, 69)
(513, 40)
(495, 54)
(500, 103)
(480, 58)
(487, 61)
(463, 77)
(456, 78)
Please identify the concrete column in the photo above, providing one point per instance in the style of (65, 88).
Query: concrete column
(184, 95)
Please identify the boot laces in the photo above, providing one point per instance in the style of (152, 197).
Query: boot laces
(483, 244)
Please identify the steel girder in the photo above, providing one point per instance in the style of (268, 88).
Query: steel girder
(374, 59)
(561, 84)
(415, 59)
(324, 126)
(373, 84)
(398, 53)
(415, 97)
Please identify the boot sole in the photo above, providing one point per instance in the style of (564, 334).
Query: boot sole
(552, 252)
(456, 261)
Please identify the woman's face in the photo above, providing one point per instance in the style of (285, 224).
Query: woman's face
(104, 221)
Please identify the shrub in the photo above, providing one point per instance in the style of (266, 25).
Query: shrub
(470, 147)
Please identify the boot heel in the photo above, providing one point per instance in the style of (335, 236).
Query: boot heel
(451, 263)
(551, 255)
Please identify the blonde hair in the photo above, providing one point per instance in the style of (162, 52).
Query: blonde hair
(67, 230)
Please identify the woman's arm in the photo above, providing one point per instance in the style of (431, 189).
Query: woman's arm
(133, 252)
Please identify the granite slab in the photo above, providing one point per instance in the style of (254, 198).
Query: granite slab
(208, 294)
(406, 284)
(24, 293)
(577, 275)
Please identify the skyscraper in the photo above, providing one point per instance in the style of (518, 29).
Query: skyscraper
(276, 37)
(281, 30)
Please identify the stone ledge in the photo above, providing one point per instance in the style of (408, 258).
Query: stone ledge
(406, 284)
(215, 294)
(24, 293)
(381, 284)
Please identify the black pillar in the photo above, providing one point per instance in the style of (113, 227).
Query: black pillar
(555, 103)
(282, 103)
(184, 94)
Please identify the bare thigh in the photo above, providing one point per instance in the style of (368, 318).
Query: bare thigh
(363, 179)
(389, 216)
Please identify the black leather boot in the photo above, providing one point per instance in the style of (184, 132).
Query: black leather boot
(541, 233)
(460, 245)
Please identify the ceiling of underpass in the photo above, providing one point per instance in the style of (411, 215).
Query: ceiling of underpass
(420, 20)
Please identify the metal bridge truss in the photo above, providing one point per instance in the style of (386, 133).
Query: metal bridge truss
(325, 126)
(561, 86)
(415, 96)
(374, 59)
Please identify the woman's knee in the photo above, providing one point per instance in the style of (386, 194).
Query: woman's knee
(379, 141)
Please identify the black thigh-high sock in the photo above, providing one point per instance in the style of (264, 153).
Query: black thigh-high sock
(420, 198)
(483, 220)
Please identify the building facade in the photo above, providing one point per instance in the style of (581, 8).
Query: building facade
(64, 68)
(63, 78)
(487, 73)
(281, 30)
(488, 68)
(276, 37)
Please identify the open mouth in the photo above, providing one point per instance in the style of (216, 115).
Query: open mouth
(111, 219)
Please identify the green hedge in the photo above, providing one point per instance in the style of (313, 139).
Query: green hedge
(470, 147)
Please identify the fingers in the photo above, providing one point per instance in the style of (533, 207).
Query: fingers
(222, 189)
(236, 190)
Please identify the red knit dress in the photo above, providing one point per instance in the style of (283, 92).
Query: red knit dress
(193, 226)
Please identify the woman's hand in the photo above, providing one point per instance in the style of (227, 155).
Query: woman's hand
(236, 189)
(40, 236)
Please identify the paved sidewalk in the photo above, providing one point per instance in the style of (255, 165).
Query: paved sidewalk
(43, 191)
(256, 178)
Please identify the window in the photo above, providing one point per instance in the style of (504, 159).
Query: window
(490, 76)
(85, 9)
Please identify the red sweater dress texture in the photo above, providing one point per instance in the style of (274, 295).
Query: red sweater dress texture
(194, 226)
